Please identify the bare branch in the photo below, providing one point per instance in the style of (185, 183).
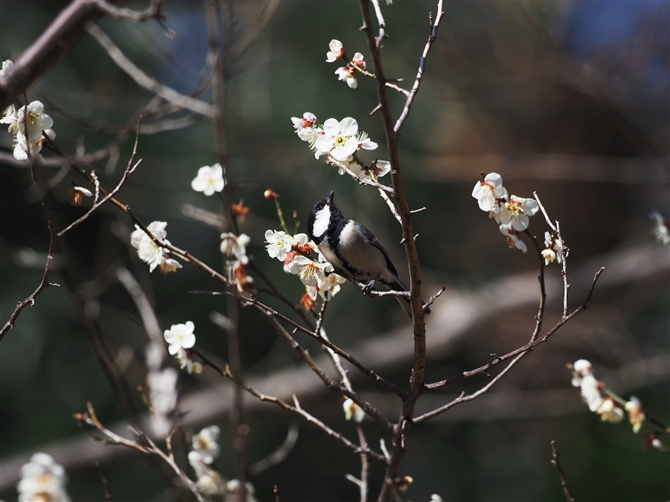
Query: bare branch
(313, 420)
(544, 212)
(144, 80)
(124, 14)
(56, 40)
(498, 359)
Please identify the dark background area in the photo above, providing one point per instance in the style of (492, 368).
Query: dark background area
(568, 99)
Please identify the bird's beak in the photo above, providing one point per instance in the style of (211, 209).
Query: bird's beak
(330, 197)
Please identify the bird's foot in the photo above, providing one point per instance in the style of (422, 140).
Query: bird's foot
(369, 287)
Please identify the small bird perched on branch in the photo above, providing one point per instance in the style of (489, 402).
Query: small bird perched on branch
(353, 250)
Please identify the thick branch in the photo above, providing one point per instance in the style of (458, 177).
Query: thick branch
(57, 39)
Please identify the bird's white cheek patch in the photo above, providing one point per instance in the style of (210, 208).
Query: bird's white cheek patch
(321, 221)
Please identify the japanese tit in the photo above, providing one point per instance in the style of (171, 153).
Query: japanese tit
(353, 250)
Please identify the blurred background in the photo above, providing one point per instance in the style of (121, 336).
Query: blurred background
(568, 99)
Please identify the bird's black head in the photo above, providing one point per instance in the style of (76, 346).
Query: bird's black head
(321, 216)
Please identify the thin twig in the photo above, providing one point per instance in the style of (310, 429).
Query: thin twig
(105, 485)
(364, 405)
(327, 343)
(129, 170)
(556, 462)
(53, 238)
(543, 292)
(434, 25)
(432, 299)
(344, 378)
(544, 212)
(390, 205)
(564, 270)
(313, 420)
(544, 338)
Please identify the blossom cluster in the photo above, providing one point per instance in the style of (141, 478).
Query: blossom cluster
(316, 274)
(163, 397)
(42, 479)
(512, 213)
(209, 482)
(555, 249)
(150, 252)
(234, 248)
(610, 408)
(27, 125)
(338, 141)
(348, 72)
(181, 339)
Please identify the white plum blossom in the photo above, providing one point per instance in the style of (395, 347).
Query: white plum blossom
(589, 386)
(353, 411)
(42, 479)
(348, 74)
(306, 127)
(513, 239)
(209, 179)
(180, 336)
(656, 443)
(233, 491)
(489, 192)
(516, 212)
(6, 66)
(581, 368)
(661, 232)
(358, 61)
(279, 243)
(336, 51)
(205, 450)
(307, 269)
(28, 124)
(365, 142)
(609, 411)
(163, 398)
(339, 139)
(37, 121)
(329, 285)
(185, 361)
(235, 246)
(381, 168)
(210, 482)
(590, 391)
(150, 252)
(206, 443)
(635, 413)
